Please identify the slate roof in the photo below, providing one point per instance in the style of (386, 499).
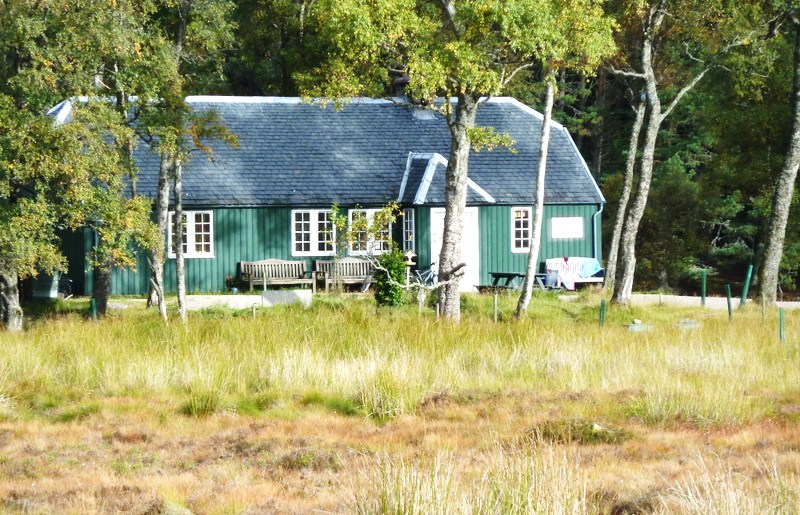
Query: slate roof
(292, 153)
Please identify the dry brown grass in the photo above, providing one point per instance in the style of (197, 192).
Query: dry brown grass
(138, 462)
(340, 410)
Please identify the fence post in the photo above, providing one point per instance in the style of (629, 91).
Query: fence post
(703, 276)
(746, 287)
(602, 312)
(781, 324)
(728, 295)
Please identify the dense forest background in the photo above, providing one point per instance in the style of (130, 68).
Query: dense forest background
(717, 158)
(718, 153)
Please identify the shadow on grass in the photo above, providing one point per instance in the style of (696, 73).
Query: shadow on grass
(36, 310)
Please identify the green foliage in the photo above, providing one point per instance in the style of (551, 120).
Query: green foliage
(333, 403)
(486, 138)
(387, 291)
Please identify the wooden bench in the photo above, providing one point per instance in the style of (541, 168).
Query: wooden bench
(349, 270)
(276, 272)
(571, 267)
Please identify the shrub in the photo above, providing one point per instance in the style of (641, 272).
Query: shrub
(387, 293)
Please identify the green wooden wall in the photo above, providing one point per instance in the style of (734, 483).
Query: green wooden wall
(249, 234)
(495, 237)
(239, 235)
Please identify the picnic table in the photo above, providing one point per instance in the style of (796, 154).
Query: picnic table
(502, 281)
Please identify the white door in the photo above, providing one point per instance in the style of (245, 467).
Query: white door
(470, 250)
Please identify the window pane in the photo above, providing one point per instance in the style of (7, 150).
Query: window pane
(408, 230)
(359, 225)
(302, 231)
(324, 232)
(521, 229)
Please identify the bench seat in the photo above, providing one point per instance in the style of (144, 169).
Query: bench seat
(348, 270)
(276, 272)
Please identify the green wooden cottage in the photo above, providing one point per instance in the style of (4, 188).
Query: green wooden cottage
(271, 197)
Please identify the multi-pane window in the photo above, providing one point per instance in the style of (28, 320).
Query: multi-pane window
(520, 229)
(198, 234)
(366, 237)
(313, 233)
(409, 244)
(359, 230)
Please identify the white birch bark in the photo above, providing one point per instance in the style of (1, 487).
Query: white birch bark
(538, 212)
(156, 261)
(180, 272)
(784, 190)
(10, 310)
(627, 186)
(455, 202)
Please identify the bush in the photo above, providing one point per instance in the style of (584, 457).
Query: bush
(386, 293)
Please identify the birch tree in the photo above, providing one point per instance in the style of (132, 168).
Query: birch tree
(718, 42)
(580, 37)
(462, 52)
(58, 174)
(784, 189)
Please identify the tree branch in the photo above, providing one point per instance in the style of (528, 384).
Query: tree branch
(683, 92)
(450, 11)
(505, 81)
(625, 73)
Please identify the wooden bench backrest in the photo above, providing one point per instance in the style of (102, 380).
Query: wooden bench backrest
(346, 267)
(274, 269)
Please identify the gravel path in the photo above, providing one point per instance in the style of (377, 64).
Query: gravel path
(648, 299)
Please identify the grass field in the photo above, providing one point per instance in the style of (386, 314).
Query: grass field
(343, 408)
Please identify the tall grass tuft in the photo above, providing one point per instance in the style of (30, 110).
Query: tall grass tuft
(728, 492)
(388, 362)
(542, 479)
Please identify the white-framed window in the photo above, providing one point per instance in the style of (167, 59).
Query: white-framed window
(198, 234)
(313, 233)
(363, 240)
(566, 228)
(409, 226)
(521, 219)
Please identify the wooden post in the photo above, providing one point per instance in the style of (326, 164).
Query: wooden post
(746, 287)
(728, 295)
(495, 306)
(602, 312)
(781, 325)
(703, 276)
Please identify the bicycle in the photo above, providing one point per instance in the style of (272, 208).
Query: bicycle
(64, 287)
(427, 276)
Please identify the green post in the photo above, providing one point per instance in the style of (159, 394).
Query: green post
(93, 308)
(703, 276)
(780, 323)
(730, 306)
(602, 311)
(746, 287)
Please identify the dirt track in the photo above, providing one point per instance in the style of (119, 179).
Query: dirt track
(646, 299)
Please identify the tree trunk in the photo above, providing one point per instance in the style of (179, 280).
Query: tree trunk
(101, 287)
(627, 186)
(623, 286)
(597, 129)
(538, 213)
(10, 310)
(180, 272)
(156, 295)
(784, 190)
(455, 202)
